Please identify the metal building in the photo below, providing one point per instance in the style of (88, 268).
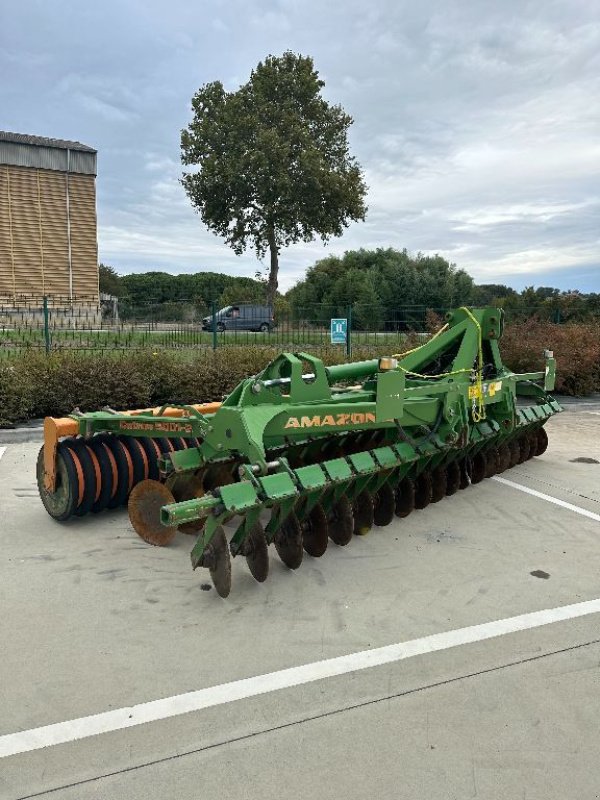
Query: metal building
(48, 236)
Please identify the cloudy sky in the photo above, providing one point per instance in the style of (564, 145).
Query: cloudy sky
(477, 123)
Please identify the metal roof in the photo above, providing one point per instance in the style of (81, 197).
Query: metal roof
(44, 141)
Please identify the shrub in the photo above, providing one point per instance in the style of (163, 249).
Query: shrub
(35, 385)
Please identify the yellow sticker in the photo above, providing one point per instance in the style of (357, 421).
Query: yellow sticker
(473, 392)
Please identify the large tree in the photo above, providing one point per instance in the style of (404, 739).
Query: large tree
(272, 162)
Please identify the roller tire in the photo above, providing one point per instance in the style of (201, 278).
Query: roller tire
(80, 452)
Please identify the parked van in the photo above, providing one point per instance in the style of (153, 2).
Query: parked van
(242, 317)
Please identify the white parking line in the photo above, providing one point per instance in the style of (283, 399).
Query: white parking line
(23, 741)
(2, 451)
(584, 512)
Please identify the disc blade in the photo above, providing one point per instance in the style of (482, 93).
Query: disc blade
(363, 510)
(423, 490)
(385, 505)
(315, 532)
(288, 542)
(405, 497)
(256, 550)
(188, 486)
(218, 560)
(341, 522)
(439, 482)
(145, 502)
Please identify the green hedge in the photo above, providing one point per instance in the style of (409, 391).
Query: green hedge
(34, 385)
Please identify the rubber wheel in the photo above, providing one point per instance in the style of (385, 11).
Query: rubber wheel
(288, 542)
(405, 497)
(385, 505)
(61, 503)
(145, 502)
(138, 459)
(218, 560)
(220, 327)
(264, 328)
(341, 522)
(503, 458)
(121, 492)
(452, 478)
(256, 550)
(492, 459)
(363, 512)
(541, 441)
(315, 532)
(81, 454)
(515, 452)
(465, 472)
(524, 448)
(478, 467)
(152, 454)
(439, 484)
(423, 490)
(106, 474)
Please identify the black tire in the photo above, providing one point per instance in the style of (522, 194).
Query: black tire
(479, 467)
(452, 478)
(81, 452)
(61, 503)
(439, 484)
(265, 328)
(152, 456)
(220, 327)
(122, 490)
(106, 476)
(541, 442)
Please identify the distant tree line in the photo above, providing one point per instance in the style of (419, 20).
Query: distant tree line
(386, 288)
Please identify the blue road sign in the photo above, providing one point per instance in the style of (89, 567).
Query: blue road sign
(339, 331)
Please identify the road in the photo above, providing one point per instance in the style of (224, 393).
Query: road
(95, 621)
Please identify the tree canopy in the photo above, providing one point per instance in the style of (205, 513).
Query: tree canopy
(377, 283)
(272, 161)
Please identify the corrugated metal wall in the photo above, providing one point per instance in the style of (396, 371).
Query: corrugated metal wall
(40, 157)
(34, 238)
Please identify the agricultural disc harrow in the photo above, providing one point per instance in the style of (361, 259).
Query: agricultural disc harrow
(302, 454)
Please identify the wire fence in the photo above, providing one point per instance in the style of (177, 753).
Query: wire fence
(65, 324)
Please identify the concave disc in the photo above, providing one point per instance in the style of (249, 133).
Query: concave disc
(341, 522)
(288, 542)
(452, 478)
(61, 503)
(478, 467)
(385, 505)
(145, 501)
(315, 532)
(216, 557)
(188, 486)
(439, 482)
(83, 461)
(423, 490)
(363, 510)
(256, 550)
(541, 441)
(405, 497)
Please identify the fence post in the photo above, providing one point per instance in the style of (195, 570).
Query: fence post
(214, 324)
(46, 325)
(349, 332)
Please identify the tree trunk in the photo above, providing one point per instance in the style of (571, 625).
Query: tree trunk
(274, 270)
